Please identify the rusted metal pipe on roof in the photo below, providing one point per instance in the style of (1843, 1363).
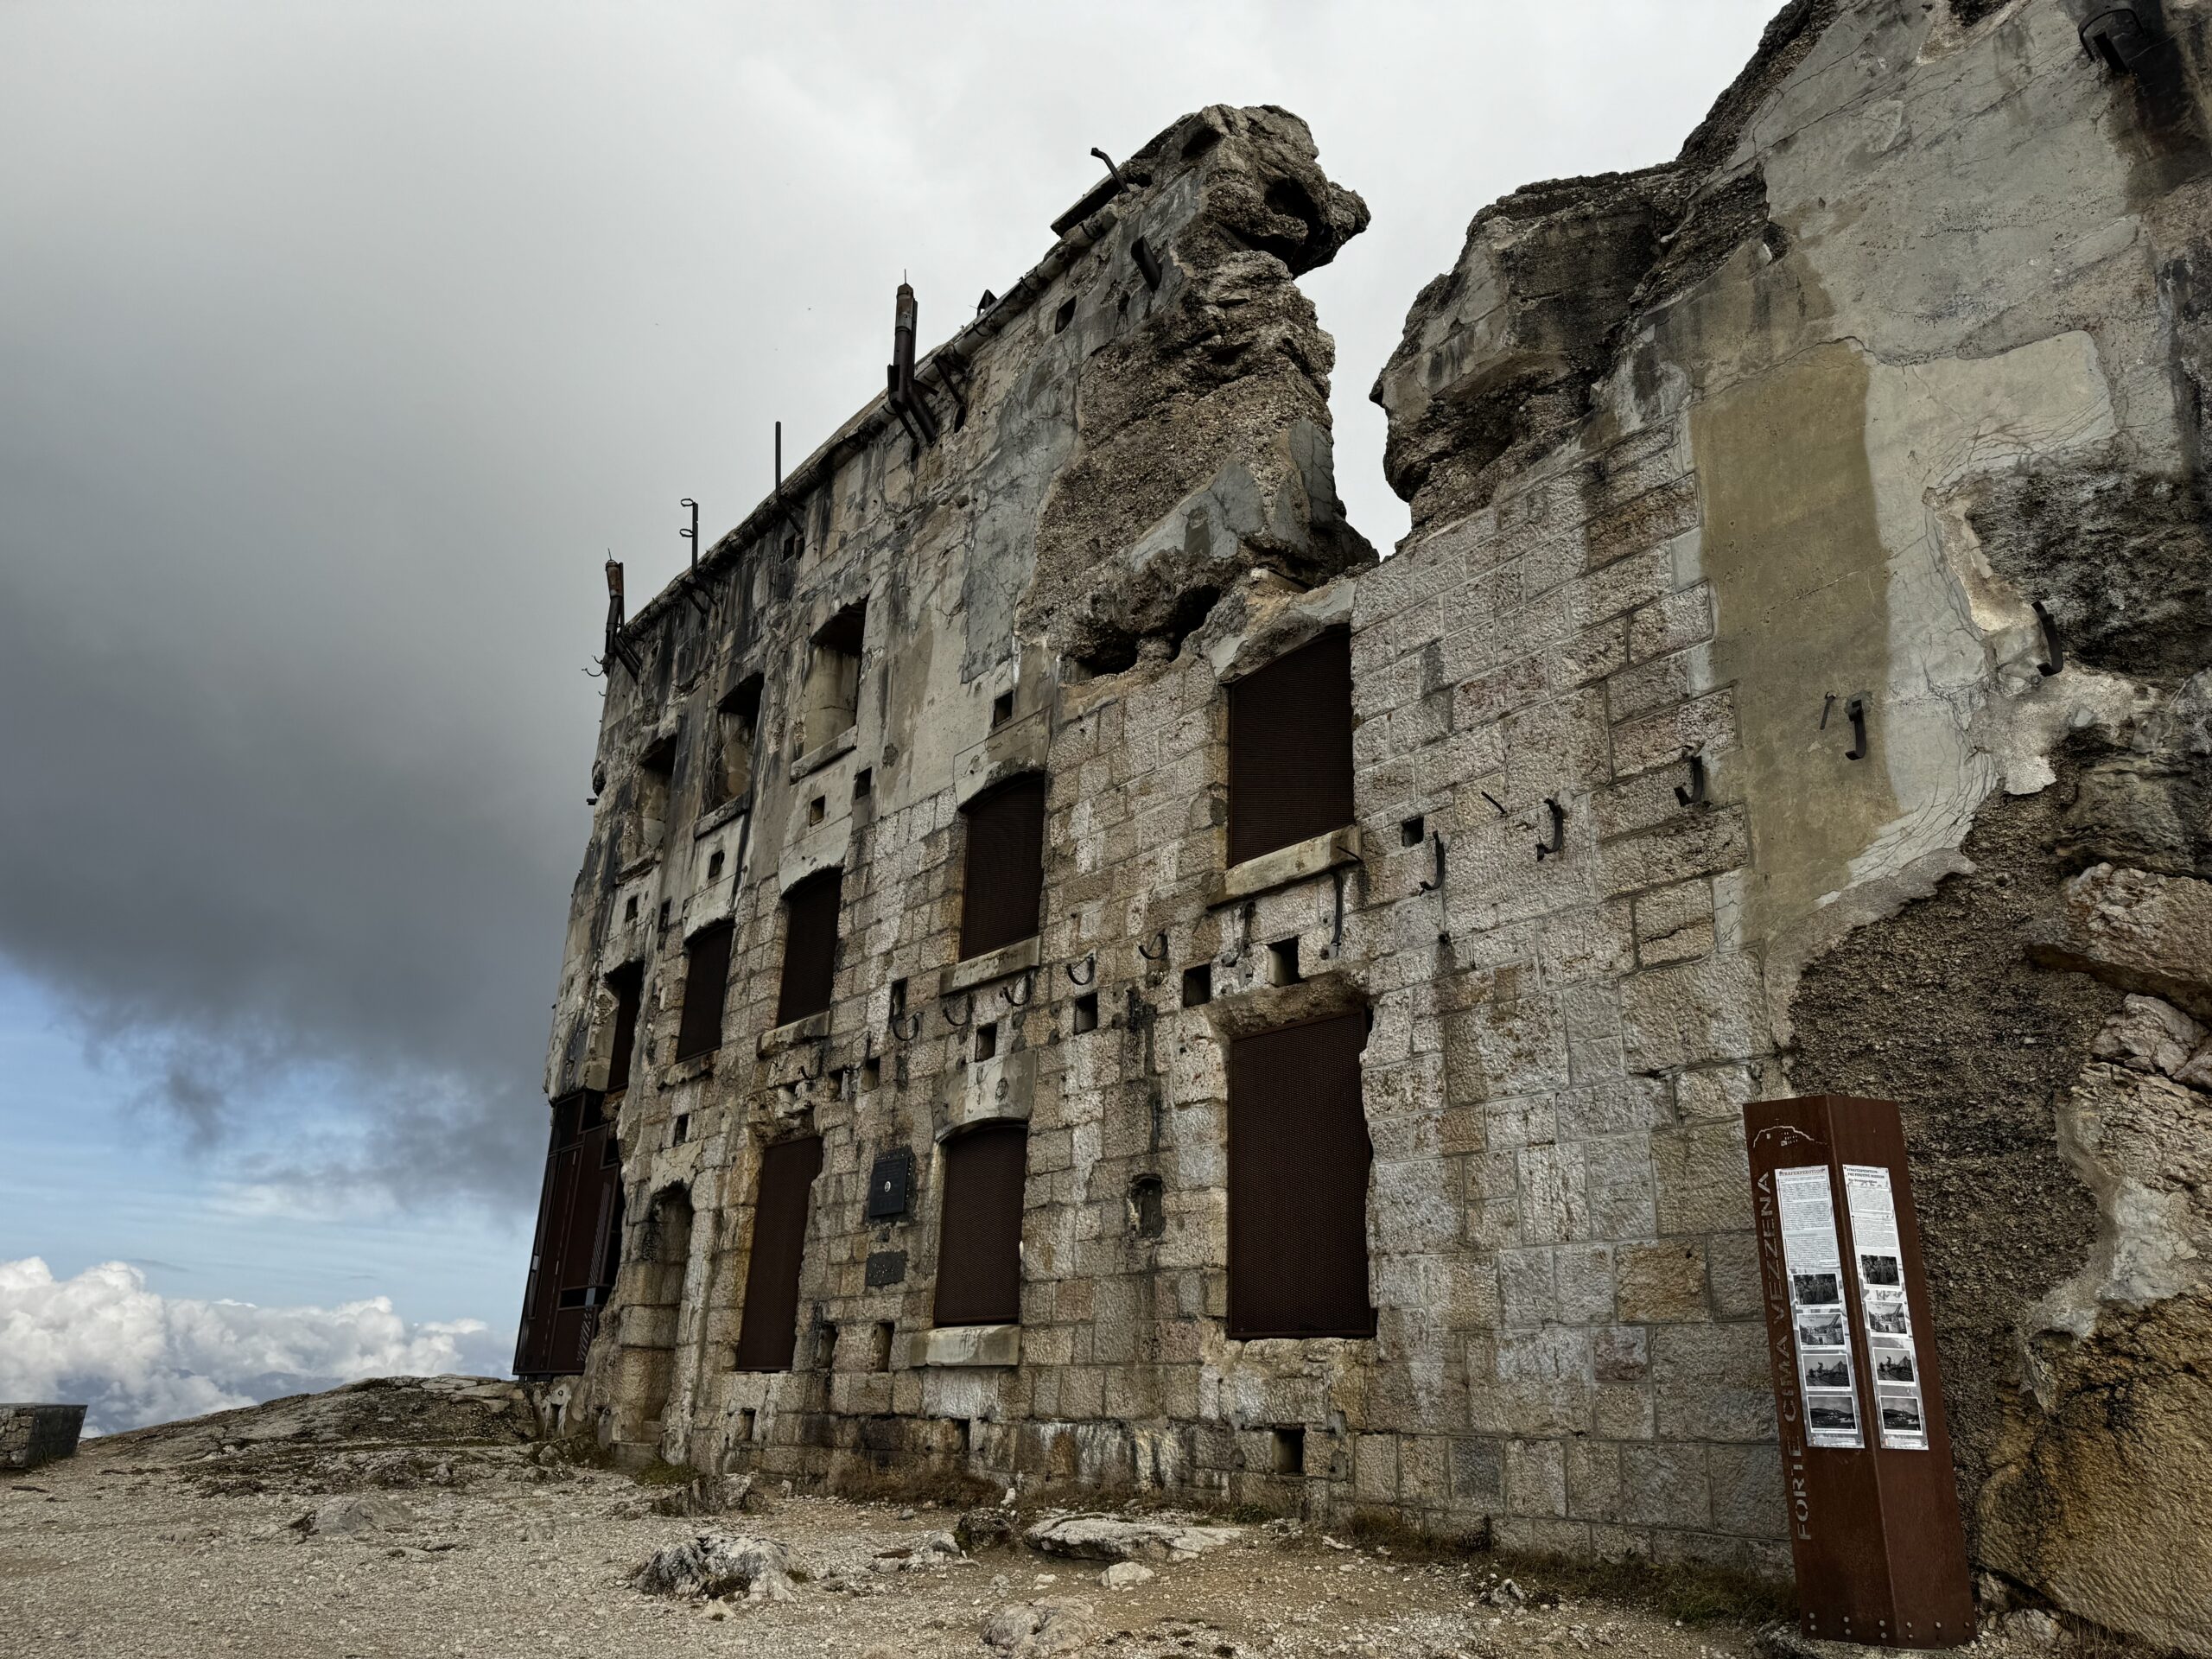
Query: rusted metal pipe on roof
(906, 396)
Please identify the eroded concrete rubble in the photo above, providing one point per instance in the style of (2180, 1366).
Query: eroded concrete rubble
(1905, 342)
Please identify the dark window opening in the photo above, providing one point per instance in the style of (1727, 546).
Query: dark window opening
(1003, 883)
(879, 1346)
(863, 784)
(713, 865)
(656, 769)
(664, 912)
(833, 676)
(682, 1130)
(810, 946)
(1001, 710)
(979, 1243)
(1148, 1206)
(767, 1335)
(1411, 830)
(745, 1420)
(1290, 1451)
(626, 984)
(577, 1248)
(730, 769)
(1299, 1155)
(825, 1348)
(1197, 985)
(987, 1039)
(1290, 749)
(1086, 1013)
(706, 987)
(1064, 317)
(964, 1436)
(898, 997)
(630, 908)
(817, 809)
(1282, 963)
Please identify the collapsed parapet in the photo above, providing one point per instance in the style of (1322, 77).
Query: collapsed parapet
(1830, 501)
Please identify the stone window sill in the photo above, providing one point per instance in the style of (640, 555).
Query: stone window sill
(811, 1029)
(972, 1344)
(683, 1071)
(1018, 958)
(815, 759)
(1300, 861)
(715, 817)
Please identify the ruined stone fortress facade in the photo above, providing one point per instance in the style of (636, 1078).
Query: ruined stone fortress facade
(1086, 974)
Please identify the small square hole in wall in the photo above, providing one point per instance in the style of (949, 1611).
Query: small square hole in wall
(630, 908)
(879, 1346)
(1086, 1013)
(682, 1132)
(1064, 317)
(863, 783)
(987, 1041)
(871, 1072)
(898, 997)
(825, 1349)
(714, 866)
(817, 809)
(1001, 710)
(964, 1436)
(1410, 830)
(1290, 1451)
(1197, 985)
(664, 912)
(1282, 962)
(746, 1422)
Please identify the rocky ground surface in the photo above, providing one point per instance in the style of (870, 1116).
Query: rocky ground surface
(415, 1518)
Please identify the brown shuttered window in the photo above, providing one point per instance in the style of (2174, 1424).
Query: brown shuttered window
(1298, 1162)
(706, 984)
(1290, 749)
(1004, 881)
(810, 946)
(979, 1242)
(768, 1335)
(625, 984)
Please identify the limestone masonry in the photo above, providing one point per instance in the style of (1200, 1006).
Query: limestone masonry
(1084, 974)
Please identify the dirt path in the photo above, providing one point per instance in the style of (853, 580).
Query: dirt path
(189, 1541)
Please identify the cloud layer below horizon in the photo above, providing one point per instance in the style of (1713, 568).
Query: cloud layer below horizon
(136, 1357)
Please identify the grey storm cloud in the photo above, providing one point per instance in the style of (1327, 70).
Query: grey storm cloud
(337, 346)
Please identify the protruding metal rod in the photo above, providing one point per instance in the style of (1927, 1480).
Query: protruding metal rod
(1113, 172)
(692, 534)
(1147, 262)
(1856, 709)
(618, 650)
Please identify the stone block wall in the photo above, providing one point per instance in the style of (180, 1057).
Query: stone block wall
(1808, 561)
(31, 1435)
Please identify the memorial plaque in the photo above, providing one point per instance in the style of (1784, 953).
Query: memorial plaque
(1872, 1503)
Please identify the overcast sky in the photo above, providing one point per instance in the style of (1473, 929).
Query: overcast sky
(338, 344)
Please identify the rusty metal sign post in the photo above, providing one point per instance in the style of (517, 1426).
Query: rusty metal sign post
(1873, 1507)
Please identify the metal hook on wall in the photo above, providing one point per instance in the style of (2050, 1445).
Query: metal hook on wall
(1694, 795)
(1029, 982)
(1160, 955)
(906, 1033)
(2054, 649)
(968, 1012)
(821, 1060)
(1090, 978)
(1436, 841)
(1856, 709)
(1336, 945)
(1557, 844)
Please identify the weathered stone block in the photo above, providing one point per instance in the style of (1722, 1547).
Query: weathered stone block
(1663, 1283)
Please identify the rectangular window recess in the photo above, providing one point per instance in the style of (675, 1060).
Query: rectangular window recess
(1002, 881)
(1290, 1451)
(1412, 831)
(1282, 963)
(681, 1131)
(871, 1072)
(863, 783)
(817, 809)
(1290, 749)
(706, 988)
(1086, 1013)
(1001, 710)
(713, 865)
(1197, 985)
(987, 1039)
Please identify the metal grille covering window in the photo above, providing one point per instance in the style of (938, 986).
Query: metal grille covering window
(1004, 880)
(768, 1334)
(706, 982)
(1298, 1161)
(810, 946)
(1290, 749)
(578, 1247)
(979, 1242)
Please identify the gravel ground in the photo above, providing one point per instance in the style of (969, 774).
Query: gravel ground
(190, 1540)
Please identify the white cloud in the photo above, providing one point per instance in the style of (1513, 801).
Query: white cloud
(136, 1357)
